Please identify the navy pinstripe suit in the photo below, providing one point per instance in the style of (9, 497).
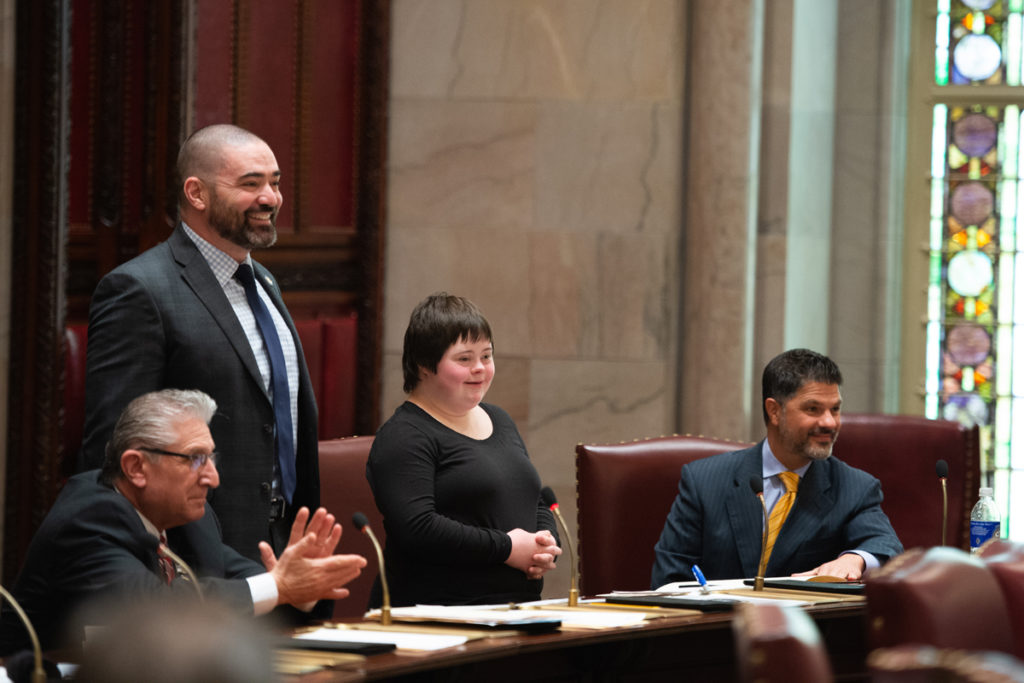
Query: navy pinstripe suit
(716, 520)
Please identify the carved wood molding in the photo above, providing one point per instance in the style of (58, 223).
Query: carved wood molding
(73, 224)
(39, 211)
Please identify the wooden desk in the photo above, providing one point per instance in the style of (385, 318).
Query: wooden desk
(701, 647)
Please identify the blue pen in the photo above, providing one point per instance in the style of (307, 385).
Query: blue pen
(700, 579)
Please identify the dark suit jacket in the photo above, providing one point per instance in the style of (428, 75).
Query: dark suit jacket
(716, 520)
(93, 545)
(162, 321)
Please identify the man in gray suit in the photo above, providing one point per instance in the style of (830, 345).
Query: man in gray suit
(182, 315)
(834, 525)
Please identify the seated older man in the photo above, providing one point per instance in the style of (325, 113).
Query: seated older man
(104, 540)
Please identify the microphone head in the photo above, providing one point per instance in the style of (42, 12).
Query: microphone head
(757, 485)
(548, 496)
(942, 469)
(360, 520)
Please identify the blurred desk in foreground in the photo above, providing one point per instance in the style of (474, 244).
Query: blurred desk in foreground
(698, 648)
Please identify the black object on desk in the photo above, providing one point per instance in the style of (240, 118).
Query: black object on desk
(336, 646)
(699, 602)
(845, 587)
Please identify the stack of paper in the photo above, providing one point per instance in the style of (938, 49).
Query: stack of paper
(402, 640)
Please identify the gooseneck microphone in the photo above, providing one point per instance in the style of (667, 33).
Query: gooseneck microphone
(363, 525)
(548, 496)
(757, 486)
(38, 673)
(942, 470)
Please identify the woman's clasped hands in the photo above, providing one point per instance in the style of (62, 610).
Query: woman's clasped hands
(533, 553)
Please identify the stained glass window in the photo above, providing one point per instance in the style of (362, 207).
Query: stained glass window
(976, 241)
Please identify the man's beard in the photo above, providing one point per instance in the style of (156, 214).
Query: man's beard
(815, 451)
(234, 226)
(803, 445)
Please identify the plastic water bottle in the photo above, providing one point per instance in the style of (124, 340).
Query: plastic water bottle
(984, 519)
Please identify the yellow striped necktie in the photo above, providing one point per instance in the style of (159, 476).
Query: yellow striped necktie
(781, 509)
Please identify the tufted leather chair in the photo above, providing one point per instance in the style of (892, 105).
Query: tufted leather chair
(624, 492)
(926, 664)
(75, 342)
(1005, 559)
(776, 643)
(345, 491)
(901, 450)
(942, 597)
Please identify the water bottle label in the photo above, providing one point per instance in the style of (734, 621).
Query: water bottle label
(982, 531)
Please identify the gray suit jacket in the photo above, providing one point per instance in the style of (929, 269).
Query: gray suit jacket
(716, 520)
(161, 321)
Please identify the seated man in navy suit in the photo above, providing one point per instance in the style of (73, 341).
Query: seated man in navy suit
(103, 542)
(826, 521)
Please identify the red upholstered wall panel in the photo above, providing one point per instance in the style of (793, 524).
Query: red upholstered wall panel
(214, 73)
(339, 376)
(327, 111)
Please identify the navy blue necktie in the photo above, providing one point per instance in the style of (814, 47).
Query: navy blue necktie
(285, 443)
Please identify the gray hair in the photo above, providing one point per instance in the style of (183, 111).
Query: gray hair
(151, 420)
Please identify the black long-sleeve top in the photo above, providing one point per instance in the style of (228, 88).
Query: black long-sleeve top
(448, 501)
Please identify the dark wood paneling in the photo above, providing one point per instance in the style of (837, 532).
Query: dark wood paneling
(39, 208)
(374, 22)
(104, 98)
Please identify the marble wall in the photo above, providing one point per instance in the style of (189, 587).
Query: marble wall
(535, 168)
(632, 191)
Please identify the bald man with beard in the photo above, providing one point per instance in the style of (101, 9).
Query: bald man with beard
(177, 317)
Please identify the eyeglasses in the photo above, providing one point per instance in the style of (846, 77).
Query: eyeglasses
(197, 461)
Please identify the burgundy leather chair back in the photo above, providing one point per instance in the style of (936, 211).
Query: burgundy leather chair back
(926, 664)
(941, 597)
(345, 491)
(778, 644)
(75, 337)
(1005, 559)
(901, 451)
(623, 493)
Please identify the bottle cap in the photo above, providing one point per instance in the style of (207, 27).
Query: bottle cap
(985, 491)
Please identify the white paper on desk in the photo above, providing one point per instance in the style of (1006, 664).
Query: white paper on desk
(692, 588)
(467, 615)
(403, 640)
(686, 587)
(594, 618)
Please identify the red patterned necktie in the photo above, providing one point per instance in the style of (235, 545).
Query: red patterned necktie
(166, 563)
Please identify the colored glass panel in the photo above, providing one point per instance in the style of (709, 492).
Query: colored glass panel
(976, 276)
(978, 42)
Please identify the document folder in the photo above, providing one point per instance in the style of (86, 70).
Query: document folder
(844, 587)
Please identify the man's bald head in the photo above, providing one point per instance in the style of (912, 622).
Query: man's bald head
(201, 154)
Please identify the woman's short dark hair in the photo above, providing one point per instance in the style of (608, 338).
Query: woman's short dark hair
(436, 323)
(790, 370)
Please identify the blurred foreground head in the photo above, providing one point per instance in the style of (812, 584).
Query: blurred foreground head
(168, 642)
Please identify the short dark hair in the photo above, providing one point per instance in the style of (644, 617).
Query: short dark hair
(790, 370)
(151, 420)
(436, 323)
